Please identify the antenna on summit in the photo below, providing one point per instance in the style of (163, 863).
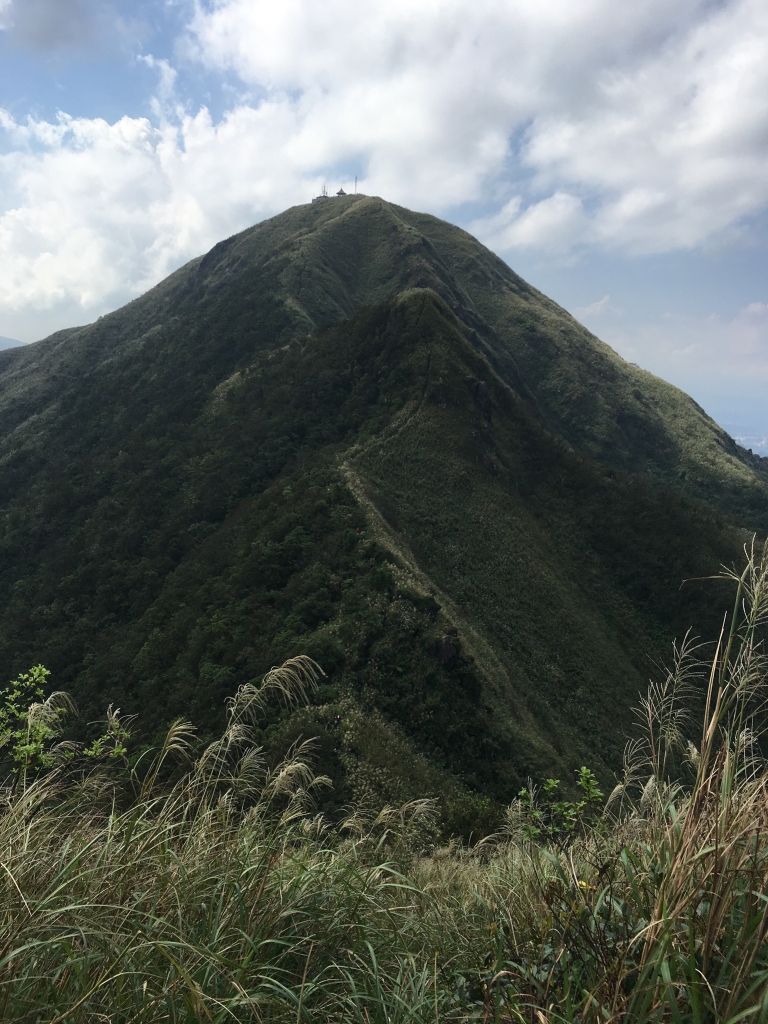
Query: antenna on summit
(355, 184)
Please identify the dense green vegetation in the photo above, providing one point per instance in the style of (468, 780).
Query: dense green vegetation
(352, 442)
(352, 432)
(175, 887)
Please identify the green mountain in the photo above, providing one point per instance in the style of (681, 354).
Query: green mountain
(352, 431)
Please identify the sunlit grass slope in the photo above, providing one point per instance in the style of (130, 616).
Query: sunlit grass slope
(353, 432)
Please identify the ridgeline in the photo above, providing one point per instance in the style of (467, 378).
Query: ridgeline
(353, 432)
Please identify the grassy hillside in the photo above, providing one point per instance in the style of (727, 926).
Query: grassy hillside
(353, 432)
(195, 886)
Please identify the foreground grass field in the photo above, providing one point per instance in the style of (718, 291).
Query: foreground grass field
(181, 889)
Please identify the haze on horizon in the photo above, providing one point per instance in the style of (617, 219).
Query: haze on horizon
(614, 155)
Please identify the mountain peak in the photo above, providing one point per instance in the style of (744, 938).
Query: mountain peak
(353, 431)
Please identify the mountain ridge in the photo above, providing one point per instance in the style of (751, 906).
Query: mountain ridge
(320, 306)
(352, 431)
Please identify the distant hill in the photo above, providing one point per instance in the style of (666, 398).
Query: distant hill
(9, 342)
(352, 431)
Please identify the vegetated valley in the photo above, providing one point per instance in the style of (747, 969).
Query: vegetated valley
(352, 441)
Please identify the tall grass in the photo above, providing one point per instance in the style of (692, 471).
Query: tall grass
(205, 889)
(659, 911)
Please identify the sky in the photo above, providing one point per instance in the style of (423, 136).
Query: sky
(614, 154)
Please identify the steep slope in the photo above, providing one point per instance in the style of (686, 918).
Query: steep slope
(354, 432)
(316, 265)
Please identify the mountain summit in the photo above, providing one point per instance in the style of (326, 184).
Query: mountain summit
(352, 431)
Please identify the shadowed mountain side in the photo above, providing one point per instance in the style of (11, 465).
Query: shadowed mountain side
(353, 432)
(502, 620)
(569, 573)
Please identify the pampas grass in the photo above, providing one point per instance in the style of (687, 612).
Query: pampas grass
(203, 887)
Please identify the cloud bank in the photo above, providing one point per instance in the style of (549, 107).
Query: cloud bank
(692, 348)
(572, 124)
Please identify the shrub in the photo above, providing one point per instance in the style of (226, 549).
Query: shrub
(173, 887)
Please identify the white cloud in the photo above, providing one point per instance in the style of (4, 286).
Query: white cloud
(552, 223)
(748, 332)
(598, 308)
(645, 126)
(101, 212)
(674, 146)
(696, 348)
(636, 127)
